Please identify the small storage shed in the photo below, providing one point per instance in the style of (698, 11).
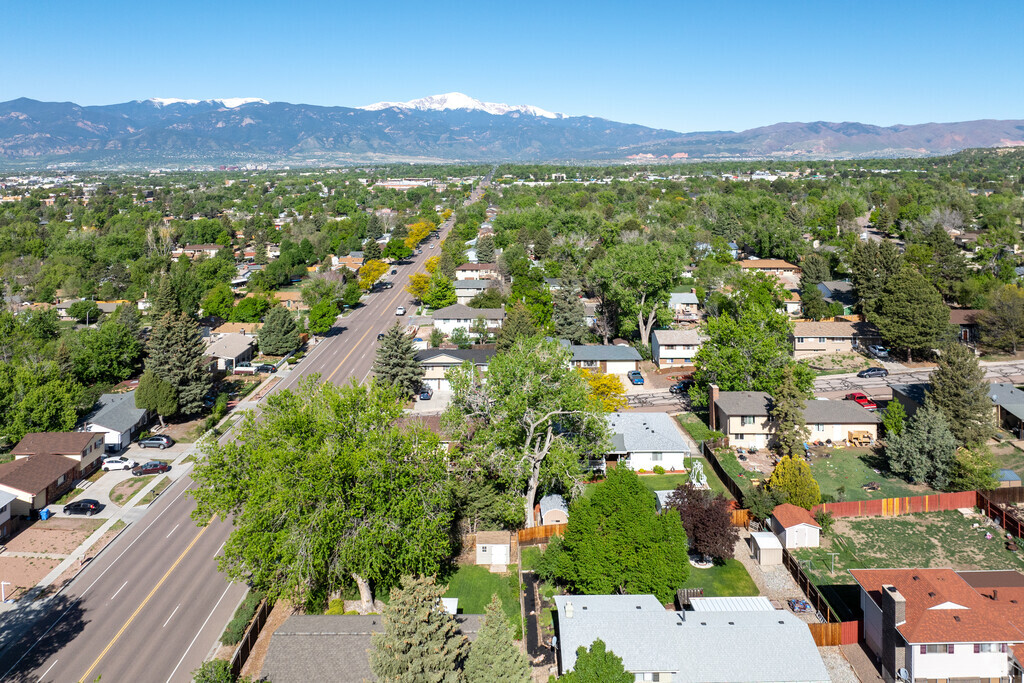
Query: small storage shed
(493, 548)
(1007, 479)
(795, 527)
(553, 510)
(766, 547)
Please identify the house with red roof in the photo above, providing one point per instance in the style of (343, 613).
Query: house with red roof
(795, 527)
(940, 624)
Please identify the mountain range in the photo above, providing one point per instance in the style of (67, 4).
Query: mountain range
(441, 128)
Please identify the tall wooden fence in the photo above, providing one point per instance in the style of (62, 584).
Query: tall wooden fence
(540, 534)
(252, 634)
(833, 631)
(731, 486)
(997, 505)
(893, 507)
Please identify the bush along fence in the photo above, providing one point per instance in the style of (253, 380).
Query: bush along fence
(246, 639)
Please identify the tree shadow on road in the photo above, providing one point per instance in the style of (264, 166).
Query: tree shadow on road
(23, 652)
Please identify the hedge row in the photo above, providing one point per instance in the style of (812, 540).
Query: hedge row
(243, 615)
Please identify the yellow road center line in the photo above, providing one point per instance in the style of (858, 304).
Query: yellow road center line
(144, 602)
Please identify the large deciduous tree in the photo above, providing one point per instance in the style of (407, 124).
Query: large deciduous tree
(396, 361)
(156, 395)
(440, 292)
(792, 477)
(960, 392)
(1002, 323)
(534, 418)
(638, 278)
(707, 518)
(597, 665)
(324, 490)
(322, 316)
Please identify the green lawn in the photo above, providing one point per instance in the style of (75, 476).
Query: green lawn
(664, 482)
(728, 580)
(474, 586)
(850, 469)
(1009, 457)
(696, 428)
(736, 471)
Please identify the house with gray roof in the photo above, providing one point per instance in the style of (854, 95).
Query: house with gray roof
(741, 646)
(229, 350)
(1007, 403)
(436, 362)
(643, 441)
(465, 290)
(116, 416)
(744, 417)
(604, 358)
(685, 306)
(331, 648)
(839, 292)
(675, 348)
(812, 339)
(458, 315)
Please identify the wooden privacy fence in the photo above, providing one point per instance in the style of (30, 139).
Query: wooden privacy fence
(741, 518)
(731, 486)
(249, 639)
(892, 507)
(540, 534)
(836, 633)
(1001, 512)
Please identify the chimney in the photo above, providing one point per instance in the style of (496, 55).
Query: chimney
(894, 647)
(568, 610)
(995, 594)
(713, 398)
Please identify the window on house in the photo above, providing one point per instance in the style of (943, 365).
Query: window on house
(61, 479)
(656, 678)
(656, 457)
(819, 427)
(937, 649)
(483, 549)
(821, 340)
(799, 340)
(747, 420)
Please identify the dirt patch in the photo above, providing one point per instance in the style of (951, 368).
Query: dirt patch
(123, 492)
(57, 539)
(24, 572)
(184, 431)
(841, 361)
(282, 610)
(72, 571)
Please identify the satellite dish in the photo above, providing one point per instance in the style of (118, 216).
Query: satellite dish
(903, 675)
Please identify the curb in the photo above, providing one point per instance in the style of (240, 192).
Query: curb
(81, 569)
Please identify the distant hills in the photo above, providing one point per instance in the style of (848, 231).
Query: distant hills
(441, 128)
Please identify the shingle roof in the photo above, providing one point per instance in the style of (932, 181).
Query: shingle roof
(744, 402)
(476, 266)
(646, 432)
(478, 356)
(758, 403)
(963, 316)
(789, 515)
(552, 501)
(835, 329)
(237, 328)
(6, 499)
(116, 412)
(767, 263)
(682, 298)
(33, 474)
(599, 352)
(231, 345)
(690, 336)
(461, 312)
(474, 284)
(60, 443)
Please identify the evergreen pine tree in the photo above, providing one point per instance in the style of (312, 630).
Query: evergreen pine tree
(567, 315)
(960, 391)
(517, 324)
(371, 251)
(485, 249)
(926, 450)
(166, 300)
(375, 227)
(814, 304)
(279, 334)
(260, 257)
(814, 269)
(396, 361)
(399, 232)
(494, 656)
(156, 395)
(910, 313)
(177, 355)
(421, 642)
(787, 412)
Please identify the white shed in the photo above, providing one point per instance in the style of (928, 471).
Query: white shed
(795, 527)
(766, 547)
(493, 548)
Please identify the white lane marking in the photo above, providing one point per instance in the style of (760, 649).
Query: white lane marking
(197, 634)
(118, 590)
(219, 549)
(172, 614)
(48, 669)
(172, 531)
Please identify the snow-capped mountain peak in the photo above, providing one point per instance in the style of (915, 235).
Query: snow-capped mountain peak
(457, 100)
(226, 102)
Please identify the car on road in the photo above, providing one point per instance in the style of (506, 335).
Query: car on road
(380, 335)
(878, 351)
(861, 399)
(873, 372)
(681, 387)
(430, 246)
(635, 377)
(160, 441)
(118, 462)
(394, 271)
(266, 367)
(86, 506)
(151, 467)
(400, 310)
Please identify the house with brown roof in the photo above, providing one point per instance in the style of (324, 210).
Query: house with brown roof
(941, 624)
(194, 251)
(46, 466)
(965, 320)
(772, 266)
(812, 339)
(85, 448)
(795, 527)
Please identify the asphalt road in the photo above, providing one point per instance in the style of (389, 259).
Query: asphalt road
(153, 605)
(832, 386)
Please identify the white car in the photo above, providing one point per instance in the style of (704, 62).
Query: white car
(119, 463)
(879, 351)
(400, 310)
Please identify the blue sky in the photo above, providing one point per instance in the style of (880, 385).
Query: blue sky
(679, 65)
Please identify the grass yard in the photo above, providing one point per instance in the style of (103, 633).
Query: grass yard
(157, 490)
(696, 428)
(728, 580)
(474, 586)
(850, 468)
(736, 471)
(935, 539)
(1006, 455)
(662, 482)
(122, 492)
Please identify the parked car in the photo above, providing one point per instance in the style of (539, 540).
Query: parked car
(160, 441)
(878, 351)
(635, 377)
(86, 506)
(861, 399)
(400, 310)
(426, 393)
(681, 387)
(873, 372)
(118, 463)
(266, 367)
(394, 271)
(151, 467)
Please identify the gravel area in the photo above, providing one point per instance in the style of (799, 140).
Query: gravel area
(839, 670)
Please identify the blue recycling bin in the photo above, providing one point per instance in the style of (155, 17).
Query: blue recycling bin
(44, 514)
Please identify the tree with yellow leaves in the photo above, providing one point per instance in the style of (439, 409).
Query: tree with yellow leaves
(432, 263)
(417, 233)
(418, 285)
(371, 272)
(607, 389)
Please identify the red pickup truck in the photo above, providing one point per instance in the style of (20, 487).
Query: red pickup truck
(861, 399)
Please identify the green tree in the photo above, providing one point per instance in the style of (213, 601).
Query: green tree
(177, 355)
(872, 264)
(219, 301)
(926, 450)
(638, 278)
(217, 671)
(156, 395)
(460, 338)
(494, 656)
(534, 419)
(517, 325)
(787, 412)
(396, 362)
(762, 501)
(166, 299)
(813, 270)
(421, 641)
(894, 418)
(485, 249)
(279, 334)
(567, 316)
(617, 542)
(793, 477)
(597, 665)
(910, 312)
(251, 309)
(371, 250)
(973, 470)
(111, 353)
(396, 249)
(375, 227)
(436, 337)
(322, 316)
(323, 489)
(814, 304)
(960, 392)
(85, 311)
(1002, 323)
(440, 292)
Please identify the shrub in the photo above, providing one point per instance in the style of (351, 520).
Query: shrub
(658, 469)
(243, 615)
